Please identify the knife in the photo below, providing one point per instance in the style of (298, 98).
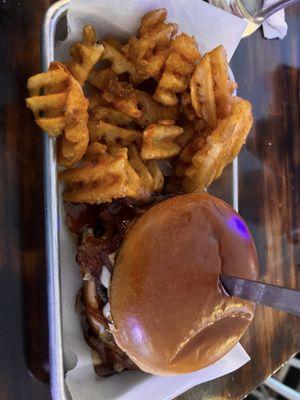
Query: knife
(274, 296)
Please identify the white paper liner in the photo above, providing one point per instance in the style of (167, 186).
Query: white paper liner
(211, 27)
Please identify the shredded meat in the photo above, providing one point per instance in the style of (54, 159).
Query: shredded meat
(108, 224)
(91, 257)
(112, 358)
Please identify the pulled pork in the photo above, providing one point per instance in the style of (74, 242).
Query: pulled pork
(101, 230)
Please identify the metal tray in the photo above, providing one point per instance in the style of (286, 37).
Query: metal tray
(58, 388)
(221, 188)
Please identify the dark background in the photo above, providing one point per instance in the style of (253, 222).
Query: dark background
(268, 75)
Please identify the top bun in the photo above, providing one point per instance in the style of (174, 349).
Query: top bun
(170, 313)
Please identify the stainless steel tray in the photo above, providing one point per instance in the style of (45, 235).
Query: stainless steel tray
(221, 188)
(58, 387)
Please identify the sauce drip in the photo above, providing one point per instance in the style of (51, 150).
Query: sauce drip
(80, 215)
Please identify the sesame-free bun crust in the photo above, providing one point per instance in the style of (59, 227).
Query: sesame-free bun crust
(170, 313)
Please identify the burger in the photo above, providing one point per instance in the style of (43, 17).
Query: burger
(152, 298)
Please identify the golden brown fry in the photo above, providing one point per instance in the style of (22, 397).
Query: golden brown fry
(151, 177)
(221, 147)
(138, 51)
(111, 126)
(192, 115)
(89, 37)
(186, 106)
(53, 77)
(153, 24)
(223, 87)
(196, 142)
(95, 100)
(158, 141)
(74, 141)
(140, 168)
(94, 150)
(113, 42)
(136, 104)
(133, 180)
(134, 183)
(150, 50)
(100, 130)
(111, 116)
(157, 175)
(188, 132)
(119, 63)
(153, 111)
(85, 55)
(122, 97)
(61, 113)
(151, 20)
(179, 66)
(127, 106)
(105, 178)
(69, 153)
(96, 182)
(202, 92)
(100, 78)
(186, 155)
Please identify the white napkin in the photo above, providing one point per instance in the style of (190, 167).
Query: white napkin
(275, 26)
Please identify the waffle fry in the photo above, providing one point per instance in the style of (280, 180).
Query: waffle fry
(111, 116)
(153, 111)
(188, 132)
(95, 100)
(85, 55)
(179, 66)
(152, 20)
(107, 177)
(211, 88)
(127, 122)
(121, 95)
(158, 141)
(62, 113)
(111, 125)
(50, 102)
(113, 42)
(123, 99)
(157, 175)
(100, 78)
(150, 50)
(141, 169)
(151, 177)
(136, 104)
(221, 147)
(202, 92)
(186, 155)
(133, 180)
(119, 63)
(94, 150)
(223, 87)
(69, 153)
(101, 130)
(186, 106)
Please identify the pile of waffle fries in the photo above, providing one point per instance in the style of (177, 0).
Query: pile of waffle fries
(123, 112)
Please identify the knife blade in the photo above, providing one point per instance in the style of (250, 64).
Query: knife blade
(281, 298)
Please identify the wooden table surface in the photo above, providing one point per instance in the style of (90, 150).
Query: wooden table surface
(268, 75)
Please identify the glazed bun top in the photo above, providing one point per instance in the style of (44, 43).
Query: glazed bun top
(170, 312)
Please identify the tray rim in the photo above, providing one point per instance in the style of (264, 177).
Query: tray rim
(56, 364)
(58, 387)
